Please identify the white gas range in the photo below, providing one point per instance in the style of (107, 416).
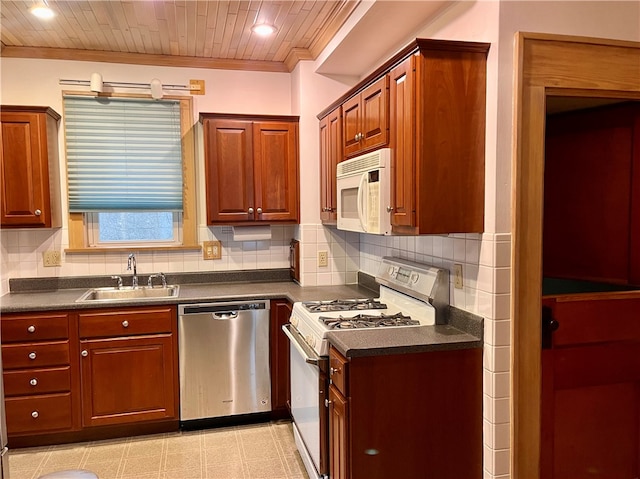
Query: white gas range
(411, 295)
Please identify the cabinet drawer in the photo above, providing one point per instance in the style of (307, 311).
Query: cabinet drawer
(126, 323)
(37, 381)
(338, 370)
(51, 412)
(35, 328)
(35, 355)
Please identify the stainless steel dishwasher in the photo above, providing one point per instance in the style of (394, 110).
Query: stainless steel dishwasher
(224, 359)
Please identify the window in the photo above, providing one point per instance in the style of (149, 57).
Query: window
(130, 169)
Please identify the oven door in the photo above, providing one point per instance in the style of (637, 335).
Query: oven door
(308, 394)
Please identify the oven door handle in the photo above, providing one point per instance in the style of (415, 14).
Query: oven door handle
(305, 351)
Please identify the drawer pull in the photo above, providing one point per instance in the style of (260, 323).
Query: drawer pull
(32, 355)
(125, 324)
(33, 382)
(34, 414)
(327, 403)
(31, 329)
(333, 371)
(84, 353)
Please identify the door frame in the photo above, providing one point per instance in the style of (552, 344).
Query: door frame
(546, 65)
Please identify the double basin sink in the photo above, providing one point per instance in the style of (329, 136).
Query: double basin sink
(124, 293)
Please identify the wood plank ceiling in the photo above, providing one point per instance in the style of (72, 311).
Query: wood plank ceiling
(188, 33)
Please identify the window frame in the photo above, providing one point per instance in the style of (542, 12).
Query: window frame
(80, 223)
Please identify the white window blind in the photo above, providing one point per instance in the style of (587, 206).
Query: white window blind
(123, 154)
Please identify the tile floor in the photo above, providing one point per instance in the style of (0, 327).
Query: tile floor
(255, 451)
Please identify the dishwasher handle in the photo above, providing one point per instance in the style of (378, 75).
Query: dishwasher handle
(222, 316)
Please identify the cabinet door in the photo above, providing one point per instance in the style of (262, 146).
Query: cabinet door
(351, 121)
(229, 171)
(275, 158)
(590, 415)
(402, 132)
(338, 435)
(375, 115)
(365, 120)
(280, 372)
(330, 156)
(128, 380)
(24, 172)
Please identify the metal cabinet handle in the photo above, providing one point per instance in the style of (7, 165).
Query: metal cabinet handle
(333, 371)
(389, 209)
(32, 355)
(84, 353)
(34, 414)
(31, 329)
(38, 212)
(33, 382)
(125, 324)
(250, 211)
(259, 211)
(327, 402)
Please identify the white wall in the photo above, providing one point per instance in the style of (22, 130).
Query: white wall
(35, 82)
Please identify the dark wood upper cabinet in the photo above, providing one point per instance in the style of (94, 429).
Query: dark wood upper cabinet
(427, 103)
(29, 169)
(592, 195)
(331, 153)
(437, 137)
(365, 119)
(251, 169)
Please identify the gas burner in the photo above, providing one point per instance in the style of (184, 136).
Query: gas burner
(343, 305)
(368, 321)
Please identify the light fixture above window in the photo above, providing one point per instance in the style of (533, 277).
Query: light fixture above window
(43, 11)
(263, 29)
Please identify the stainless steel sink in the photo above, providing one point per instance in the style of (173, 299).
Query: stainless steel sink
(129, 293)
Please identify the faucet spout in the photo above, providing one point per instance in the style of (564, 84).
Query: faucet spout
(131, 263)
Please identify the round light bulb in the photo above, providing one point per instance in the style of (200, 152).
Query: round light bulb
(263, 29)
(42, 11)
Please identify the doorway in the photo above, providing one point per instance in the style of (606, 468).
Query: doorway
(561, 66)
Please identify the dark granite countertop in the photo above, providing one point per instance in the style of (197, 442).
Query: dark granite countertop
(189, 293)
(463, 329)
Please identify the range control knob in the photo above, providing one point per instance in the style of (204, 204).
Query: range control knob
(294, 320)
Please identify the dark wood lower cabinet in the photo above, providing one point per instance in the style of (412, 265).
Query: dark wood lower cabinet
(409, 416)
(127, 380)
(90, 374)
(338, 439)
(279, 354)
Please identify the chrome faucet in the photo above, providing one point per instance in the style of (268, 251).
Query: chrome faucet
(132, 262)
(162, 277)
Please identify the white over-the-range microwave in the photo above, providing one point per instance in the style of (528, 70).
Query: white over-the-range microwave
(363, 187)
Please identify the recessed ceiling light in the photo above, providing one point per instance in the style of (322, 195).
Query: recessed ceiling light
(43, 11)
(263, 29)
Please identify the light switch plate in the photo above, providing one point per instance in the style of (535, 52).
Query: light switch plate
(52, 258)
(211, 250)
(457, 276)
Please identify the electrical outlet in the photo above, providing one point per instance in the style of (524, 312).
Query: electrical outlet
(211, 250)
(457, 276)
(52, 258)
(323, 258)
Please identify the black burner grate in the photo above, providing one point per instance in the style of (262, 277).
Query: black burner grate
(368, 321)
(343, 305)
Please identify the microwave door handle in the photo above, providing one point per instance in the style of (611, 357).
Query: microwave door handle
(361, 211)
